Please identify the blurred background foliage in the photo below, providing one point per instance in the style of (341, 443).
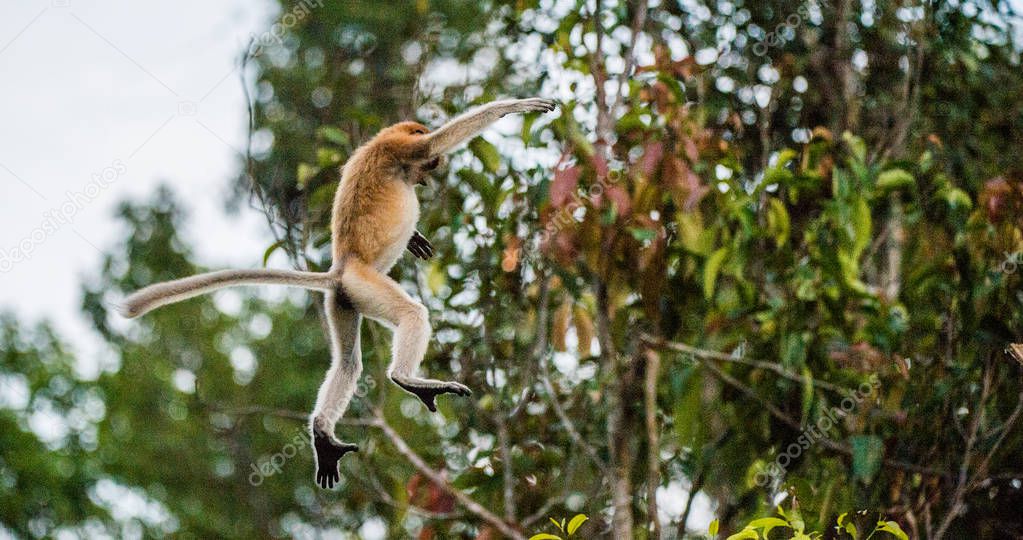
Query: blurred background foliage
(742, 212)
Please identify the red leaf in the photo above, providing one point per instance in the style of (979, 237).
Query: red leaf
(652, 155)
(620, 198)
(691, 151)
(599, 165)
(684, 182)
(566, 180)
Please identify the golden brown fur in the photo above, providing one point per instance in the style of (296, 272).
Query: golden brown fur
(373, 222)
(375, 204)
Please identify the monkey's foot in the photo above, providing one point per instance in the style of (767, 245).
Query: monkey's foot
(328, 452)
(426, 390)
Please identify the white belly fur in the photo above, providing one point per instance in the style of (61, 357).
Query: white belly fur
(406, 226)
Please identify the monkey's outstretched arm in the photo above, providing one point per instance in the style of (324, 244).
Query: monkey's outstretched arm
(170, 292)
(468, 124)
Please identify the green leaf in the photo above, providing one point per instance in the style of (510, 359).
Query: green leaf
(807, 391)
(892, 528)
(544, 536)
(270, 250)
(926, 161)
(643, 235)
(560, 526)
(861, 227)
(778, 224)
(894, 179)
(673, 84)
(785, 156)
(713, 529)
(486, 152)
(327, 157)
(435, 279)
(711, 270)
(776, 175)
(866, 455)
(527, 126)
(851, 529)
(796, 520)
(482, 183)
(333, 134)
(856, 145)
(745, 534)
(767, 523)
(693, 235)
(305, 173)
(956, 198)
(578, 520)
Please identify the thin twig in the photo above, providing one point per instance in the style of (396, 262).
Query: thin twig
(438, 479)
(250, 410)
(715, 355)
(638, 22)
(542, 511)
(795, 424)
(1005, 428)
(963, 480)
(539, 349)
(566, 422)
(504, 447)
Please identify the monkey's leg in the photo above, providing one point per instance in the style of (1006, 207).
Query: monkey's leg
(336, 392)
(380, 298)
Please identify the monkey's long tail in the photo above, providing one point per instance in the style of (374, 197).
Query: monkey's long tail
(169, 292)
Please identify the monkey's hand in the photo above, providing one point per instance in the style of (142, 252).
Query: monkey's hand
(512, 106)
(329, 451)
(419, 246)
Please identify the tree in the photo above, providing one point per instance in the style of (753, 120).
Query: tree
(763, 250)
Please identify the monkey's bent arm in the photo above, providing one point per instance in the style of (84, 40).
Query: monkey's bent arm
(470, 123)
(169, 292)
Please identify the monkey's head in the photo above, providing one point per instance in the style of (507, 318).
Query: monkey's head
(408, 128)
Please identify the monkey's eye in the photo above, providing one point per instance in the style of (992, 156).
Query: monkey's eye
(418, 131)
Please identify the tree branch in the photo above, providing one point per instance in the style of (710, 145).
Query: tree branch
(438, 479)
(653, 472)
(715, 355)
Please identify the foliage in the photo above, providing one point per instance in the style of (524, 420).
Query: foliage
(568, 529)
(845, 527)
(677, 287)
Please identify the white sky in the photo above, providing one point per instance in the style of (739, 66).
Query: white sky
(87, 85)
